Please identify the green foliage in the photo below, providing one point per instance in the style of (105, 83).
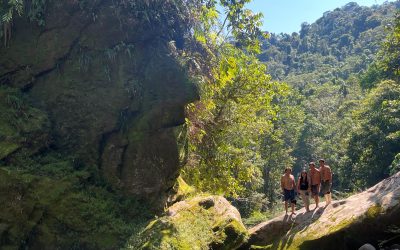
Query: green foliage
(395, 166)
(20, 123)
(342, 42)
(278, 143)
(257, 217)
(9, 8)
(375, 141)
(324, 63)
(226, 124)
(65, 213)
(243, 23)
(36, 10)
(239, 24)
(389, 56)
(386, 65)
(240, 107)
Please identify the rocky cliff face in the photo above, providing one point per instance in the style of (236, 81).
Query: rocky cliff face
(102, 84)
(371, 217)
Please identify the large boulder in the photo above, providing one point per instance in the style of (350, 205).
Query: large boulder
(106, 85)
(368, 217)
(204, 222)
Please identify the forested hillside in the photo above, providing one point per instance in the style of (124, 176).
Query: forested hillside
(342, 42)
(332, 64)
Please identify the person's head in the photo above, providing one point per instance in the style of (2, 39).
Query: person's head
(303, 173)
(288, 170)
(321, 162)
(312, 165)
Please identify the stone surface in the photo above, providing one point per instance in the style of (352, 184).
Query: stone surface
(367, 247)
(345, 224)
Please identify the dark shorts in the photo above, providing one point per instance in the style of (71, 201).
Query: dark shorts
(326, 187)
(314, 190)
(289, 195)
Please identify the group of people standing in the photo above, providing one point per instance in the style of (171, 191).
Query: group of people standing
(314, 181)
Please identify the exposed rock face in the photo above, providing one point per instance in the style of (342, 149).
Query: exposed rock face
(109, 86)
(208, 222)
(366, 217)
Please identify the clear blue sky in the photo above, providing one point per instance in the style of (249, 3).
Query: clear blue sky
(287, 15)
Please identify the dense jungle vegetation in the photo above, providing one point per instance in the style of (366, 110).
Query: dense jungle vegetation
(266, 101)
(335, 96)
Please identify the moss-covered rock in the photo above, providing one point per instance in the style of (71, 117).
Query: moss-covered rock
(346, 224)
(90, 105)
(180, 191)
(21, 125)
(41, 213)
(206, 222)
(108, 78)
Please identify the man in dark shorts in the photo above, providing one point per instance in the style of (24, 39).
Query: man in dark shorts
(315, 179)
(326, 181)
(288, 186)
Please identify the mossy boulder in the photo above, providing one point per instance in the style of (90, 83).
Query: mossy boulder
(366, 217)
(205, 222)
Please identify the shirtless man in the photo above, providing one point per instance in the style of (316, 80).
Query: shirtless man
(288, 186)
(326, 181)
(315, 178)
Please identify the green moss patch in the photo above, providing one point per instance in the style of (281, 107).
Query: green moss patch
(42, 213)
(195, 224)
(374, 211)
(21, 125)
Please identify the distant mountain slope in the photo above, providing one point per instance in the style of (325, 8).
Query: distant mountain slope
(341, 42)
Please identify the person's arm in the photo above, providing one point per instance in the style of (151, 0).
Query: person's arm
(321, 175)
(294, 185)
(298, 184)
(282, 186)
(319, 181)
(309, 182)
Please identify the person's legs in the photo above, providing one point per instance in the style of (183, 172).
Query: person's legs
(292, 200)
(286, 206)
(326, 199)
(286, 197)
(316, 198)
(330, 193)
(306, 199)
(325, 189)
(314, 191)
(293, 212)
